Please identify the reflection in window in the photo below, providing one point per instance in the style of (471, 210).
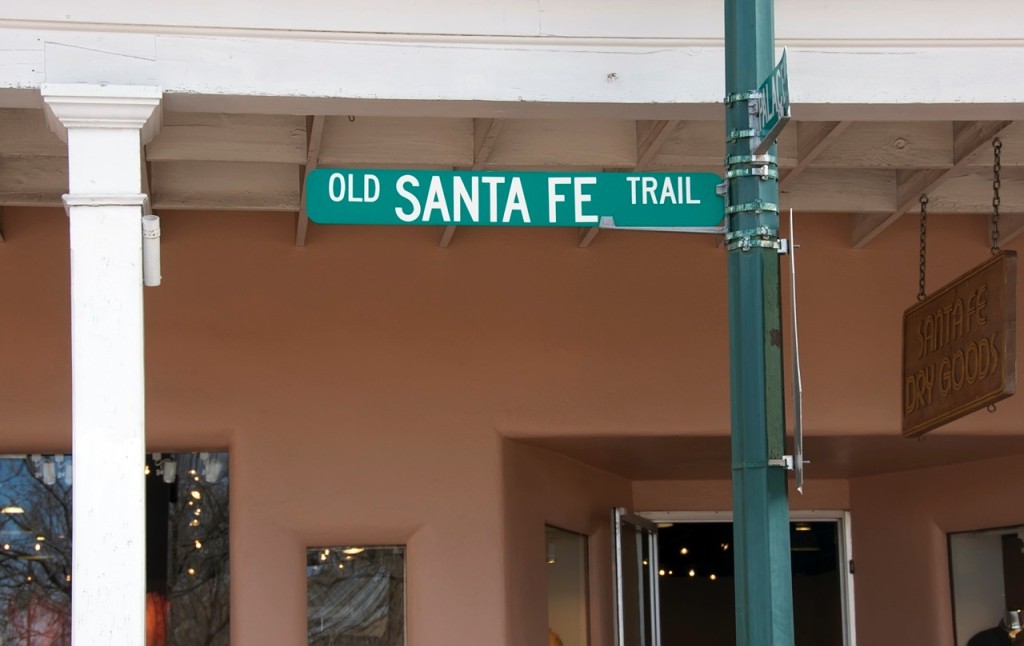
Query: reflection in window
(987, 569)
(35, 562)
(356, 596)
(186, 549)
(567, 587)
(187, 582)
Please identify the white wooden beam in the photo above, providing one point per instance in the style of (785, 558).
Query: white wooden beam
(228, 186)
(314, 140)
(812, 140)
(967, 138)
(485, 135)
(650, 137)
(230, 137)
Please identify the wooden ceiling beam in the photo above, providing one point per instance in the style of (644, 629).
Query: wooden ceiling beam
(314, 140)
(812, 140)
(968, 138)
(485, 134)
(650, 137)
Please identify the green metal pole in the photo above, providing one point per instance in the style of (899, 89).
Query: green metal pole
(764, 594)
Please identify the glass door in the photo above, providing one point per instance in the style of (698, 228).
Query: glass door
(637, 620)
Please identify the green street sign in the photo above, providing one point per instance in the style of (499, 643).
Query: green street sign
(514, 199)
(773, 107)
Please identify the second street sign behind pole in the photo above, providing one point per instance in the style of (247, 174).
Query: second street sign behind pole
(773, 111)
(532, 199)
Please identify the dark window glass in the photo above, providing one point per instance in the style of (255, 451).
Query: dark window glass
(186, 550)
(356, 595)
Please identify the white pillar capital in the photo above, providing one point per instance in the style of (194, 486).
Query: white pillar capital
(74, 105)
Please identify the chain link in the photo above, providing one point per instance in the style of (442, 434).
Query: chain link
(924, 247)
(997, 147)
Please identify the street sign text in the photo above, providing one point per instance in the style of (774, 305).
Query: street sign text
(532, 199)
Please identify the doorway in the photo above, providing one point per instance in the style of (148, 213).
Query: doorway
(694, 602)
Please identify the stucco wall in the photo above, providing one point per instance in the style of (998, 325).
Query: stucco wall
(899, 532)
(544, 488)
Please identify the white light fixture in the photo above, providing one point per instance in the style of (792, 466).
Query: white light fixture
(352, 551)
(169, 469)
(49, 470)
(214, 469)
(12, 509)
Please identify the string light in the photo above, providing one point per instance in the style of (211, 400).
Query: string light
(191, 571)
(195, 494)
(199, 545)
(684, 551)
(692, 572)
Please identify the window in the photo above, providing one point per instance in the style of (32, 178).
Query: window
(356, 595)
(567, 586)
(987, 572)
(186, 549)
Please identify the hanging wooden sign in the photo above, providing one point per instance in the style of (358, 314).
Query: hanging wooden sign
(959, 346)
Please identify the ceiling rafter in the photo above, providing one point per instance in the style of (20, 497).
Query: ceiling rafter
(650, 137)
(314, 139)
(968, 139)
(485, 134)
(812, 140)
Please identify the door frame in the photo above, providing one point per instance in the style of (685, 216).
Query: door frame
(845, 532)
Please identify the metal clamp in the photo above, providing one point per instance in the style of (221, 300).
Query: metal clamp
(764, 172)
(736, 135)
(785, 461)
(757, 206)
(736, 97)
(760, 160)
(756, 238)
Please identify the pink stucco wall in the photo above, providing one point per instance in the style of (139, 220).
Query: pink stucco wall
(900, 522)
(366, 384)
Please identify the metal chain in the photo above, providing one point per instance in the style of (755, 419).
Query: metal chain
(924, 246)
(997, 147)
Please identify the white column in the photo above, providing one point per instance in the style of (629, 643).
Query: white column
(105, 127)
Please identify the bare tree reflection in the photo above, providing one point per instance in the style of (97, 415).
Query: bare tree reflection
(187, 576)
(35, 562)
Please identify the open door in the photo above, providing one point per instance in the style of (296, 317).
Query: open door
(636, 580)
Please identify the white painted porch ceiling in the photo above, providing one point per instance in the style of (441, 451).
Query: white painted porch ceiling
(872, 170)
